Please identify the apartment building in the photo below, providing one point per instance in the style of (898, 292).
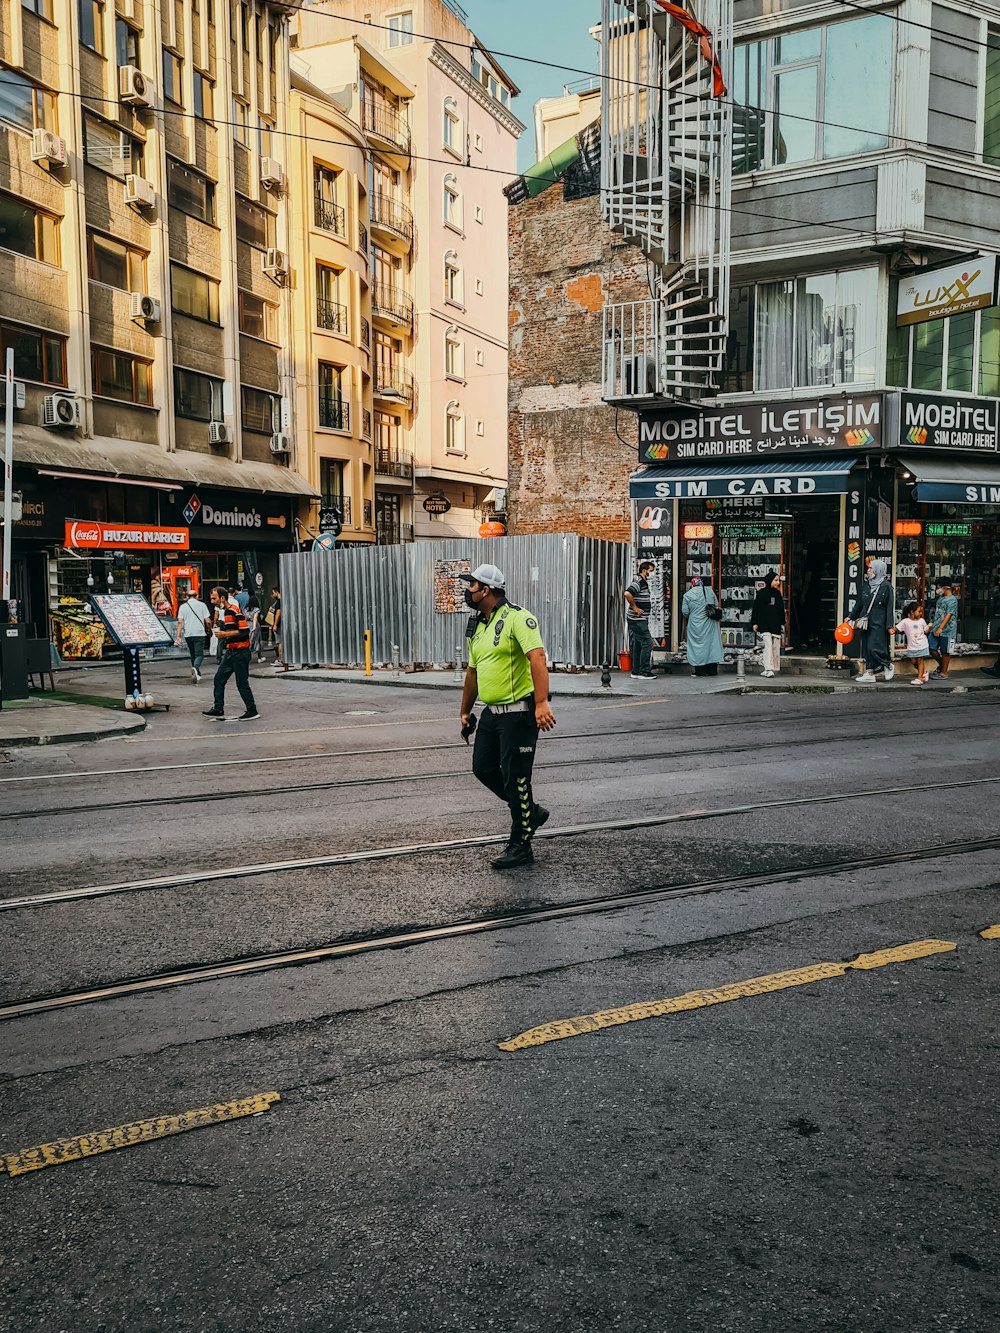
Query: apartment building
(143, 289)
(435, 111)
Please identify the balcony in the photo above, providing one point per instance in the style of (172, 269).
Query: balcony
(393, 534)
(366, 334)
(362, 238)
(332, 316)
(329, 216)
(342, 503)
(368, 513)
(391, 219)
(392, 305)
(366, 424)
(394, 383)
(662, 350)
(334, 413)
(389, 463)
(387, 126)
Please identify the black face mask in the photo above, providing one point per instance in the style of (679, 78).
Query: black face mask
(470, 602)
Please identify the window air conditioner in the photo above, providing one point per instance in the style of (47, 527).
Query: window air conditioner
(218, 432)
(48, 147)
(61, 411)
(272, 173)
(640, 376)
(275, 264)
(134, 87)
(139, 192)
(143, 308)
(281, 443)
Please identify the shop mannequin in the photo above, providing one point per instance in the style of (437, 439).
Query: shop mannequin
(877, 603)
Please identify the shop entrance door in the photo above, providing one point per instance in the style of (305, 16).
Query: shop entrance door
(745, 552)
(811, 590)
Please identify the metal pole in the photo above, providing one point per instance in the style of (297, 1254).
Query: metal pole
(459, 676)
(395, 661)
(8, 473)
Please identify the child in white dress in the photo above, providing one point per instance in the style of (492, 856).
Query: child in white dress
(914, 627)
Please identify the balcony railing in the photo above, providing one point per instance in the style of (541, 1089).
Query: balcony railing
(392, 216)
(388, 463)
(392, 381)
(339, 502)
(329, 216)
(331, 315)
(368, 513)
(392, 304)
(386, 124)
(366, 424)
(392, 534)
(366, 333)
(661, 350)
(362, 238)
(334, 413)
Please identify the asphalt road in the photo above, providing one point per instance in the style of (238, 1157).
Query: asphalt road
(784, 1157)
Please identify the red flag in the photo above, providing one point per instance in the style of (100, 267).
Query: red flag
(688, 21)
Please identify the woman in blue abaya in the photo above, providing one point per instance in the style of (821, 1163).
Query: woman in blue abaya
(704, 640)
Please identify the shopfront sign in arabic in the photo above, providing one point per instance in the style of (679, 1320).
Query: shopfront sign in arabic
(89, 535)
(761, 430)
(951, 289)
(938, 421)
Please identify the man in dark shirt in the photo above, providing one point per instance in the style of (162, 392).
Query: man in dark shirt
(638, 601)
(233, 633)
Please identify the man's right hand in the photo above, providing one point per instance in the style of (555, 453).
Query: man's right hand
(465, 722)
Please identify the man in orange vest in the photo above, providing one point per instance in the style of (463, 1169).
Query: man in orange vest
(233, 633)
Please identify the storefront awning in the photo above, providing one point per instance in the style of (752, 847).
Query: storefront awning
(820, 476)
(948, 481)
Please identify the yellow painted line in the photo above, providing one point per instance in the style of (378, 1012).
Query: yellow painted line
(127, 1136)
(992, 933)
(737, 990)
(212, 730)
(639, 703)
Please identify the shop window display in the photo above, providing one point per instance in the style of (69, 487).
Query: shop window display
(957, 542)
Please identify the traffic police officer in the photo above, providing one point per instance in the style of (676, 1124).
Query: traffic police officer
(507, 671)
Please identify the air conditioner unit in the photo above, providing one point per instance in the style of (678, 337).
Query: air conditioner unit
(48, 147)
(281, 443)
(59, 410)
(139, 192)
(18, 394)
(272, 173)
(218, 432)
(134, 87)
(144, 308)
(640, 376)
(275, 264)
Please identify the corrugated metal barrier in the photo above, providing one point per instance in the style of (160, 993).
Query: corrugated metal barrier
(573, 584)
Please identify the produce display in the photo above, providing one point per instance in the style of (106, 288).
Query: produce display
(77, 633)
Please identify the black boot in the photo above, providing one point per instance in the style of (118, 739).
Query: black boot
(539, 816)
(514, 854)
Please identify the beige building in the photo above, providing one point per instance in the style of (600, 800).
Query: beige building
(435, 111)
(143, 288)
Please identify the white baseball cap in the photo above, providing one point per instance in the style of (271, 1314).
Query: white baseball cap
(488, 575)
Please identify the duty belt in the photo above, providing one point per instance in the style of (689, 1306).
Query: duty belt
(522, 706)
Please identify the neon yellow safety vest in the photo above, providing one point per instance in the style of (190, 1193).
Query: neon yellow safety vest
(498, 654)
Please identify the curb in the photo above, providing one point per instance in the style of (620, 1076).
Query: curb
(69, 737)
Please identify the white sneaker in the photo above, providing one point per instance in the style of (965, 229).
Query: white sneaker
(194, 675)
(767, 674)
(197, 677)
(890, 671)
(917, 680)
(868, 678)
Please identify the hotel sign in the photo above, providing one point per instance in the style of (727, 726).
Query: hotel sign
(952, 289)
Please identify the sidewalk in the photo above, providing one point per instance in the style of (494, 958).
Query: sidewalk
(41, 721)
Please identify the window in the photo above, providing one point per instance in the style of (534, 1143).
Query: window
(92, 24)
(334, 413)
(197, 397)
(454, 429)
(400, 29)
(265, 131)
(172, 75)
(28, 231)
(452, 126)
(452, 278)
(118, 375)
(115, 264)
(331, 313)
(452, 202)
(37, 356)
(991, 106)
(957, 354)
(331, 478)
(788, 97)
(454, 354)
(254, 224)
(126, 44)
(43, 8)
(204, 90)
(329, 214)
(241, 123)
(189, 192)
(193, 294)
(804, 332)
(110, 151)
(25, 105)
(258, 318)
(261, 410)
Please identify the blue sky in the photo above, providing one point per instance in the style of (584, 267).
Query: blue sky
(549, 30)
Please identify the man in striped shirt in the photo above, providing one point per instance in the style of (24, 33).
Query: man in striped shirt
(233, 633)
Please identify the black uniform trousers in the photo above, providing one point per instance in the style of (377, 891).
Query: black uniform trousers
(234, 662)
(503, 759)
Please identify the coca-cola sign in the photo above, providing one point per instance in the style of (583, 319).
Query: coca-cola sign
(88, 535)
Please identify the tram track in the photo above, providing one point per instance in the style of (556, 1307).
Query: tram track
(248, 965)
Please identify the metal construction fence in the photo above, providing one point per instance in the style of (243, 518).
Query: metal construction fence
(410, 598)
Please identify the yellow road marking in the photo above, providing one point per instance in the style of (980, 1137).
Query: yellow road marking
(738, 990)
(992, 933)
(126, 1136)
(639, 703)
(212, 732)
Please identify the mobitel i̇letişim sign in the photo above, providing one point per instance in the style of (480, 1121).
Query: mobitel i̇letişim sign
(88, 535)
(938, 421)
(951, 289)
(760, 430)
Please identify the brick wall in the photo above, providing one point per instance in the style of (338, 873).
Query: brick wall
(568, 467)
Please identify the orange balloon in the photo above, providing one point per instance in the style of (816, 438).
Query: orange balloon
(844, 632)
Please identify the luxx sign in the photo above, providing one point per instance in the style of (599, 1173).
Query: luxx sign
(951, 289)
(761, 430)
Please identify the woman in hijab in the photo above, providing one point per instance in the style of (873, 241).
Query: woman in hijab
(704, 641)
(873, 616)
(768, 620)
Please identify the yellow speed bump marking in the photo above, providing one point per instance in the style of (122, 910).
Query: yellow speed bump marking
(126, 1136)
(991, 933)
(737, 990)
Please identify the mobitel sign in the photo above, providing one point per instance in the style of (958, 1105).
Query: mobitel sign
(952, 289)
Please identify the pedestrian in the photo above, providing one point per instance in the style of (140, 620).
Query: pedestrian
(944, 628)
(273, 622)
(233, 635)
(239, 595)
(701, 629)
(253, 620)
(508, 672)
(914, 627)
(638, 602)
(194, 624)
(768, 620)
(994, 624)
(873, 616)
